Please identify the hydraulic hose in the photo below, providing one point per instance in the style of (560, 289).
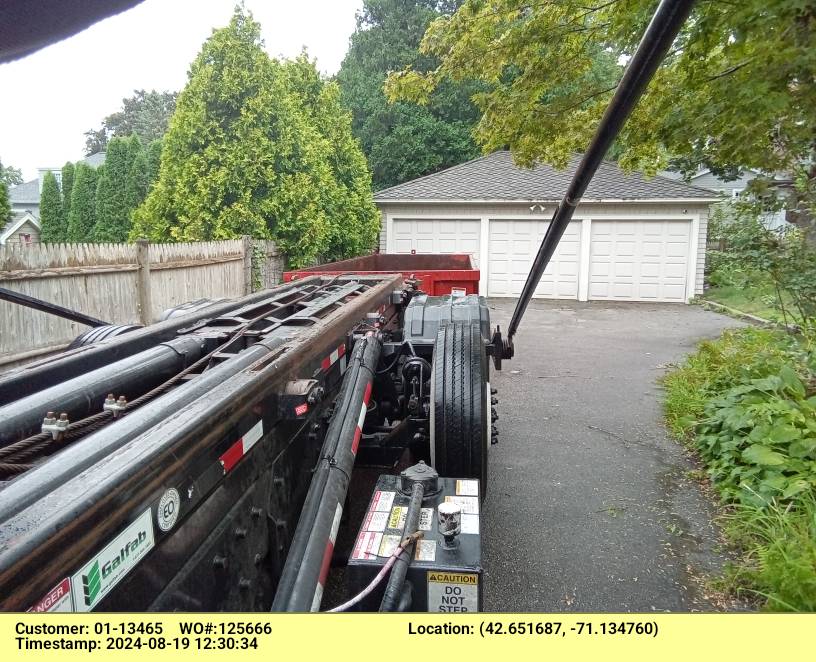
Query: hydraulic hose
(394, 589)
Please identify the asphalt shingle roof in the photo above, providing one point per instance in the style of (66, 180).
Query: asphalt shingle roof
(496, 177)
(25, 192)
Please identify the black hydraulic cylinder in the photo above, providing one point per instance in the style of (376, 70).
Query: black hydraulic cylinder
(40, 480)
(84, 395)
(50, 308)
(655, 43)
(53, 370)
(307, 564)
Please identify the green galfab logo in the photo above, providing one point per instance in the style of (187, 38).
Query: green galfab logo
(91, 584)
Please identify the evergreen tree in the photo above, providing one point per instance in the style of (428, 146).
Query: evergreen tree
(154, 152)
(52, 220)
(138, 183)
(243, 155)
(67, 185)
(112, 209)
(354, 219)
(82, 216)
(5, 205)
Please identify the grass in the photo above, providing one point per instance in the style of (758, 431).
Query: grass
(776, 542)
(747, 300)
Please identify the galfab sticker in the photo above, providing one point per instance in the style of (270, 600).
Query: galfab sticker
(99, 575)
(57, 599)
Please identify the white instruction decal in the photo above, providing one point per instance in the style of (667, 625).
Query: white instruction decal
(470, 523)
(453, 592)
(467, 487)
(470, 505)
(425, 550)
(367, 545)
(375, 521)
(388, 545)
(426, 519)
(382, 500)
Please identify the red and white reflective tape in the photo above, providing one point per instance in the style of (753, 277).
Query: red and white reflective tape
(327, 557)
(331, 359)
(358, 432)
(230, 457)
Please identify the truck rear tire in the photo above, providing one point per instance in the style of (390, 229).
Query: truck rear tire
(460, 427)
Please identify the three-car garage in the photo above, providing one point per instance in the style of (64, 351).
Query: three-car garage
(632, 238)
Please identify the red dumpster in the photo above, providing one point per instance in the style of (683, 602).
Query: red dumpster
(440, 274)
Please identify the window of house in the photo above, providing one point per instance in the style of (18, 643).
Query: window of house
(25, 238)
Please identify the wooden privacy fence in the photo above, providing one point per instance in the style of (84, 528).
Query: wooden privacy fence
(121, 284)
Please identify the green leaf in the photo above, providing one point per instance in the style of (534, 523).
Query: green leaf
(759, 454)
(795, 487)
(782, 433)
(803, 448)
(791, 381)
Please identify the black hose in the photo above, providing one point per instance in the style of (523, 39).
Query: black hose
(406, 597)
(394, 588)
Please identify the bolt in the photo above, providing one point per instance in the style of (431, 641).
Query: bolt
(257, 559)
(256, 512)
(50, 414)
(494, 401)
(244, 584)
(240, 533)
(219, 561)
(63, 416)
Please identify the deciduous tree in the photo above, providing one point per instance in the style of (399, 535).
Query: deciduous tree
(53, 228)
(145, 114)
(737, 89)
(10, 176)
(404, 140)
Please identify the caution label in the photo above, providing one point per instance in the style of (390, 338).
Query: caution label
(467, 487)
(397, 519)
(367, 545)
(453, 592)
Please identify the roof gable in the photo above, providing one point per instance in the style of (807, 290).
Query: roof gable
(496, 178)
(17, 221)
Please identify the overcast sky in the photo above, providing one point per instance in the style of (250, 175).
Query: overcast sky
(52, 97)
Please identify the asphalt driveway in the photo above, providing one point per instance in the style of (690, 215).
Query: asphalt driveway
(590, 506)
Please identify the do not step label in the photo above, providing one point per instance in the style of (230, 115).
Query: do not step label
(453, 592)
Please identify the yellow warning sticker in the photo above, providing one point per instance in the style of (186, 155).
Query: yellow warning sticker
(397, 518)
(453, 578)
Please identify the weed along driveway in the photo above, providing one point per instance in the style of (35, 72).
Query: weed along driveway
(590, 504)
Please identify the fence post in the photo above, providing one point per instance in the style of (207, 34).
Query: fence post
(143, 280)
(247, 240)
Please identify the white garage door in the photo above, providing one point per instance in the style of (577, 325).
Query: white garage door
(437, 236)
(514, 244)
(639, 260)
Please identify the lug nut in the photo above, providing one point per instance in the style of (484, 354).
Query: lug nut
(240, 533)
(219, 561)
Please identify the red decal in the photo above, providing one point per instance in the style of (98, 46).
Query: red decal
(54, 599)
(324, 567)
(367, 395)
(231, 456)
(355, 444)
(325, 364)
(341, 351)
(301, 409)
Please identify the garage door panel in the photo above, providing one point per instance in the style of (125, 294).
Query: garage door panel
(508, 271)
(437, 236)
(639, 260)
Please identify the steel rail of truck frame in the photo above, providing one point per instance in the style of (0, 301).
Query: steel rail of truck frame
(197, 450)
